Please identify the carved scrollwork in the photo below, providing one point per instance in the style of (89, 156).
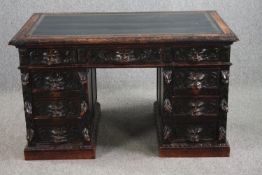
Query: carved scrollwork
(167, 131)
(225, 76)
(167, 106)
(221, 134)
(55, 81)
(86, 136)
(194, 134)
(196, 80)
(25, 78)
(84, 107)
(56, 109)
(167, 76)
(59, 135)
(28, 107)
(30, 134)
(198, 55)
(224, 105)
(196, 108)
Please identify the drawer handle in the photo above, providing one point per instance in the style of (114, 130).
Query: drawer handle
(224, 105)
(167, 76)
(28, 107)
(196, 108)
(25, 78)
(86, 136)
(225, 76)
(195, 80)
(56, 109)
(167, 106)
(55, 81)
(167, 133)
(194, 134)
(59, 135)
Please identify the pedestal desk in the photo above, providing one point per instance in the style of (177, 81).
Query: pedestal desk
(59, 54)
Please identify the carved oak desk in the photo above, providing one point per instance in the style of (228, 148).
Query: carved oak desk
(59, 54)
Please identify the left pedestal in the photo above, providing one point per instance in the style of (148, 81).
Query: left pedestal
(60, 103)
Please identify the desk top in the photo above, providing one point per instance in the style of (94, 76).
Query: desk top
(110, 28)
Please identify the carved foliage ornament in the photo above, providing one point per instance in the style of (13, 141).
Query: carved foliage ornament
(167, 131)
(194, 134)
(82, 77)
(59, 135)
(196, 80)
(29, 134)
(167, 106)
(25, 78)
(55, 81)
(196, 108)
(167, 76)
(221, 134)
(28, 107)
(224, 105)
(84, 107)
(86, 136)
(225, 76)
(56, 109)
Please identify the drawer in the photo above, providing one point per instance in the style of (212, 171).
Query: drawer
(59, 108)
(188, 107)
(58, 80)
(119, 55)
(197, 54)
(47, 56)
(195, 81)
(58, 134)
(190, 132)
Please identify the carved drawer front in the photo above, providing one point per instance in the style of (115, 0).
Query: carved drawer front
(191, 132)
(119, 55)
(192, 81)
(191, 107)
(58, 81)
(197, 54)
(64, 108)
(58, 134)
(48, 56)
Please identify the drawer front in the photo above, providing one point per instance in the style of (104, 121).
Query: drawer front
(48, 57)
(119, 55)
(57, 81)
(190, 132)
(195, 81)
(197, 54)
(191, 107)
(63, 108)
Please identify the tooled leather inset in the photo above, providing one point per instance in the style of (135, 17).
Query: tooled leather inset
(124, 55)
